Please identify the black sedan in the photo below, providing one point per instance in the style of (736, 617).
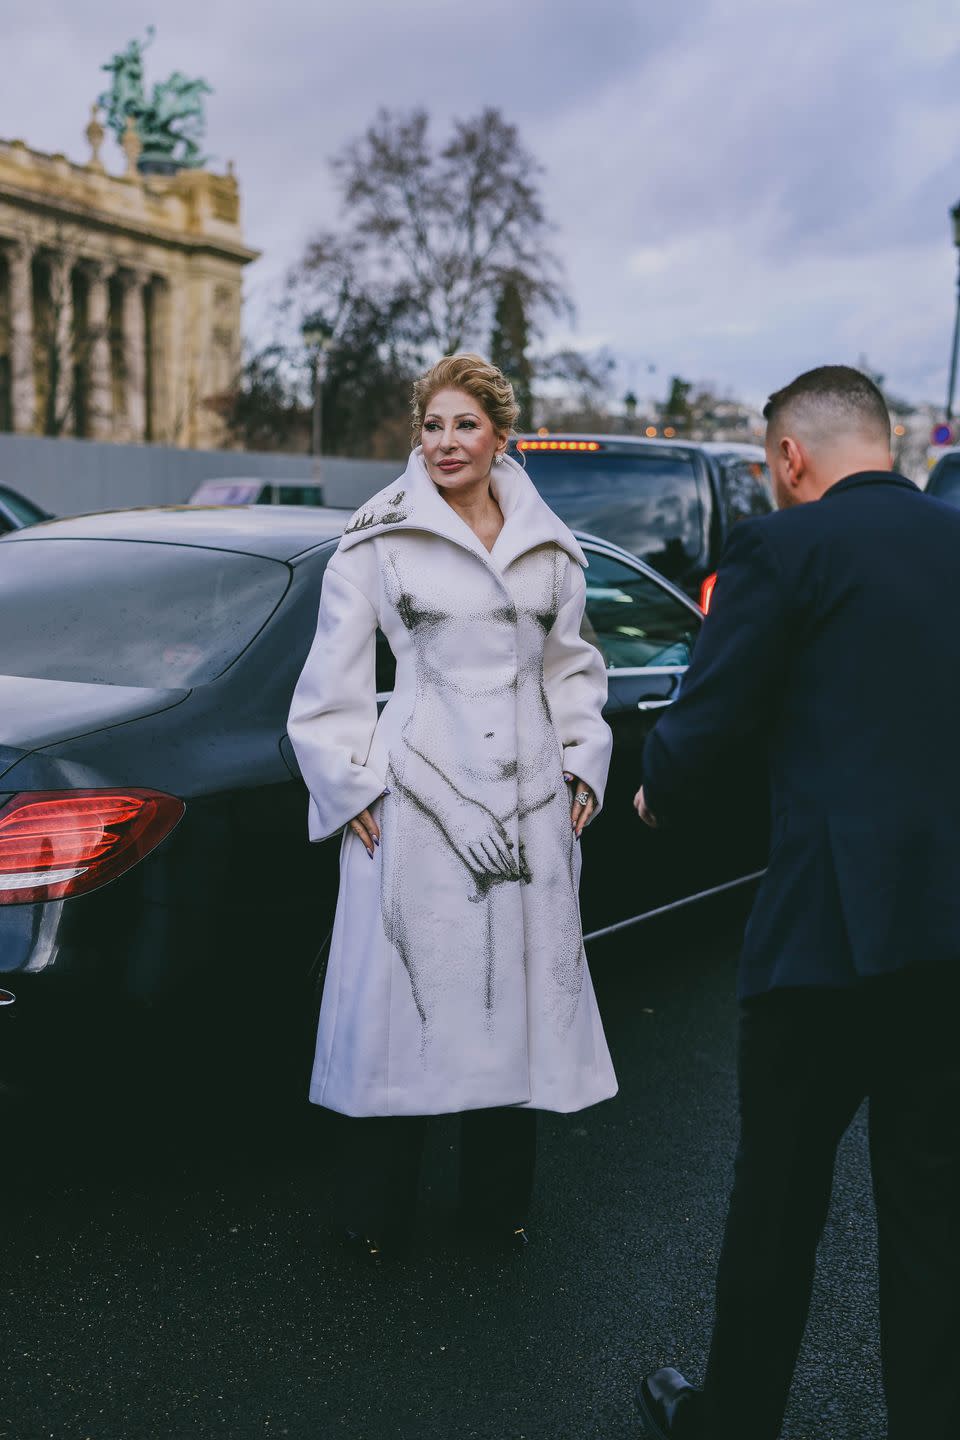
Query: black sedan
(159, 900)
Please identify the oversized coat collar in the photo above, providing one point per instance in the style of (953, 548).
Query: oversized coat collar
(414, 503)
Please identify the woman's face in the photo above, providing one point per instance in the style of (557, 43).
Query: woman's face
(459, 441)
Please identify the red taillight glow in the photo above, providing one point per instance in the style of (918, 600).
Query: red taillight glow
(59, 843)
(558, 445)
(706, 592)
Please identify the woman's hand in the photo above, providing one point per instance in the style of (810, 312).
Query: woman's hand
(367, 829)
(480, 840)
(583, 808)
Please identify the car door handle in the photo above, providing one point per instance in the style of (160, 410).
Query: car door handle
(653, 704)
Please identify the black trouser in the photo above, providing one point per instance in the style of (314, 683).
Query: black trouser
(808, 1058)
(379, 1169)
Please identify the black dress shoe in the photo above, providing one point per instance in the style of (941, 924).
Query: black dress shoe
(497, 1234)
(669, 1406)
(364, 1247)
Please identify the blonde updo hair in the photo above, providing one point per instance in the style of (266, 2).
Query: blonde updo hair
(489, 387)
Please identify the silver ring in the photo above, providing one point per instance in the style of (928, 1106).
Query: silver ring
(583, 796)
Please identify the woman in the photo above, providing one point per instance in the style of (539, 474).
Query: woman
(457, 980)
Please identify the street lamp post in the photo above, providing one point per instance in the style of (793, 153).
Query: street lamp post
(317, 335)
(955, 217)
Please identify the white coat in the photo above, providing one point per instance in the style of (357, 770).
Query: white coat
(456, 977)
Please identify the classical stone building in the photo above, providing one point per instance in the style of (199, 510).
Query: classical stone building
(120, 297)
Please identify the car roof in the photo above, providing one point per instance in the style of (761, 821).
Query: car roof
(644, 442)
(279, 532)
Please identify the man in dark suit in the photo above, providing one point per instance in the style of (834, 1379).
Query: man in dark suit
(831, 651)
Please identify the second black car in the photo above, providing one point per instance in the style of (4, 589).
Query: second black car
(671, 502)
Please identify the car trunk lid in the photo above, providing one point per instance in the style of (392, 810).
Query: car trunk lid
(37, 713)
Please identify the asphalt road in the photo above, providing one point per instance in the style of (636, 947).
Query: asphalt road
(197, 1291)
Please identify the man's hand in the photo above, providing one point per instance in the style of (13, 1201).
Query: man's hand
(640, 805)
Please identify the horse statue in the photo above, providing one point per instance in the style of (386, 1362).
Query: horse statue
(177, 114)
(170, 124)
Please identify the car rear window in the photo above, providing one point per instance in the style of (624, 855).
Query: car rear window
(119, 612)
(945, 482)
(649, 504)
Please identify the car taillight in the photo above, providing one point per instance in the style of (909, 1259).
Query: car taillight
(59, 843)
(706, 592)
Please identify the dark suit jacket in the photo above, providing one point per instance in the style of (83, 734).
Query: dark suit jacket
(831, 650)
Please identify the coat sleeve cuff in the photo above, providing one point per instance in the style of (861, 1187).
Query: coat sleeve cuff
(326, 820)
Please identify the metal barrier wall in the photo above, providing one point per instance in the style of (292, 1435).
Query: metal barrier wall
(70, 477)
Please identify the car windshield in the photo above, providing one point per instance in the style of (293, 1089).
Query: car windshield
(123, 612)
(647, 503)
(946, 482)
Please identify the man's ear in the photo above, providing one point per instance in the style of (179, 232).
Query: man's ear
(796, 459)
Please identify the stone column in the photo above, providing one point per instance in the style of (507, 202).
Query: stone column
(61, 304)
(134, 353)
(22, 382)
(100, 395)
(160, 398)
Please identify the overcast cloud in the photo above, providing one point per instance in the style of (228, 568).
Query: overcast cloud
(742, 189)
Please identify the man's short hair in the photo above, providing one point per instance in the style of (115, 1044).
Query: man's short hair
(829, 403)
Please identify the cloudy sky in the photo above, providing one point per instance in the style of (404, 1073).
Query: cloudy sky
(742, 188)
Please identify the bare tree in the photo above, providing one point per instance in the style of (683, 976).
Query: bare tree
(445, 227)
(433, 233)
(586, 377)
(268, 407)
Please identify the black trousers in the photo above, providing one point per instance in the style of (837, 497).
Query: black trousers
(378, 1171)
(808, 1058)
